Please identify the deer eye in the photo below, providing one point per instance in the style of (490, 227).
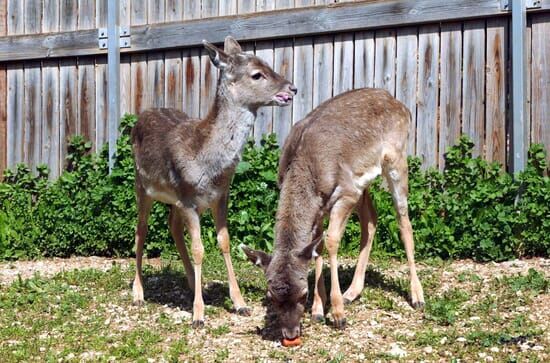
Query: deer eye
(258, 75)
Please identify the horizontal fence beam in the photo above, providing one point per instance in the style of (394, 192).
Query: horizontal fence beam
(287, 23)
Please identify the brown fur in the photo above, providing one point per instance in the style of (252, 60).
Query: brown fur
(189, 162)
(326, 165)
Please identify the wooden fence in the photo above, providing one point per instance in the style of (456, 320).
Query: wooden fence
(454, 75)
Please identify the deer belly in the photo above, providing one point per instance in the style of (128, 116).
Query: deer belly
(360, 182)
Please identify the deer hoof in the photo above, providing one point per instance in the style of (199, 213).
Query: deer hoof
(340, 323)
(318, 318)
(245, 311)
(198, 324)
(139, 303)
(418, 305)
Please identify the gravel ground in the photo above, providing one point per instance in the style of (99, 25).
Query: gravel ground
(374, 331)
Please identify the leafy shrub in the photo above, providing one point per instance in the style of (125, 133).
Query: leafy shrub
(471, 209)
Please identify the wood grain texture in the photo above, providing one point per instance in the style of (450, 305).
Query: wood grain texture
(3, 96)
(473, 84)
(305, 21)
(384, 76)
(173, 90)
(541, 81)
(50, 154)
(303, 78)
(32, 114)
(284, 65)
(208, 72)
(428, 94)
(264, 120)
(496, 78)
(245, 6)
(86, 76)
(363, 75)
(323, 66)
(125, 62)
(450, 88)
(343, 63)
(155, 61)
(15, 104)
(406, 77)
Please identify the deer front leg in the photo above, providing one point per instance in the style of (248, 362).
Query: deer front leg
(197, 251)
(337, 223)
(144, 207)
(319, 293)
(367, 218)
(220, 217)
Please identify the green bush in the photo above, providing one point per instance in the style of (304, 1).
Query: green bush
(470, 210)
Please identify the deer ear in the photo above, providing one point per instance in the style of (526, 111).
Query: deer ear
(309, 251)
(231, 46)
(218, 57)
(259, 258)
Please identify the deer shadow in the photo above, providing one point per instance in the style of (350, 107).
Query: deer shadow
(373, 278)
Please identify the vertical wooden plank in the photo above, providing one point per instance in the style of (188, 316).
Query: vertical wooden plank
(173, 62)
(283, 61)
(50, 95)
(407, 58)
(68, 85)
(265, 5)
(428, 94)
(323, 61)
(125, 62)
(450, 88)
(245, 6)
(363, 74)
(101, 100)
(495, 134)
(228, 7)
(343, 63)
(264, 120)
(191, 66)
(86, 76)
(155, 61)
(3, 96)
(541, 81)
(283, 64)
(473, 83)
(303, 78)
(384, 74)
(33, 87)
(208, 73)
(15, 82)
(138, 66)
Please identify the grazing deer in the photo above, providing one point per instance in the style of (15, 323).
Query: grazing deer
(188, 163)
(327, 163)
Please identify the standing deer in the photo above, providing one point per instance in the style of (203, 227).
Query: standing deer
(327, 163)
(188, 163)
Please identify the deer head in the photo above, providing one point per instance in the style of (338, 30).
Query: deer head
(247, 80)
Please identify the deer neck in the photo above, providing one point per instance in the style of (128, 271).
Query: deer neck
(230, 126)
(298, 212)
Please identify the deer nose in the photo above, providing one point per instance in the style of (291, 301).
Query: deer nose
(293, 88)
(291, 333)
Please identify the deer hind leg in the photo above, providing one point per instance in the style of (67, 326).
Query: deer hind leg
(337, 224)
(367, 218)
(144, 207)
(191, 218)
(175, 221)
(397, 177)
(319, 292)
(220, 217)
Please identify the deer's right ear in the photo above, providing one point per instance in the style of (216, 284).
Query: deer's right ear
(259, 258)
(218, 57)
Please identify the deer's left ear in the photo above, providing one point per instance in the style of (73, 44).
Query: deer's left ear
(259, 258)
(309, 251)
(231, 46)
(218, 57)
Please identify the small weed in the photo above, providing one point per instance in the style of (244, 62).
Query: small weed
(467, 276)
(220, 330)
(222, 355)
(534, 282)
(339, 357)
(443, 310)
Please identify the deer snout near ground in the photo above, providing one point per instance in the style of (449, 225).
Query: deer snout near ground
(327, 164)
(188, 163)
